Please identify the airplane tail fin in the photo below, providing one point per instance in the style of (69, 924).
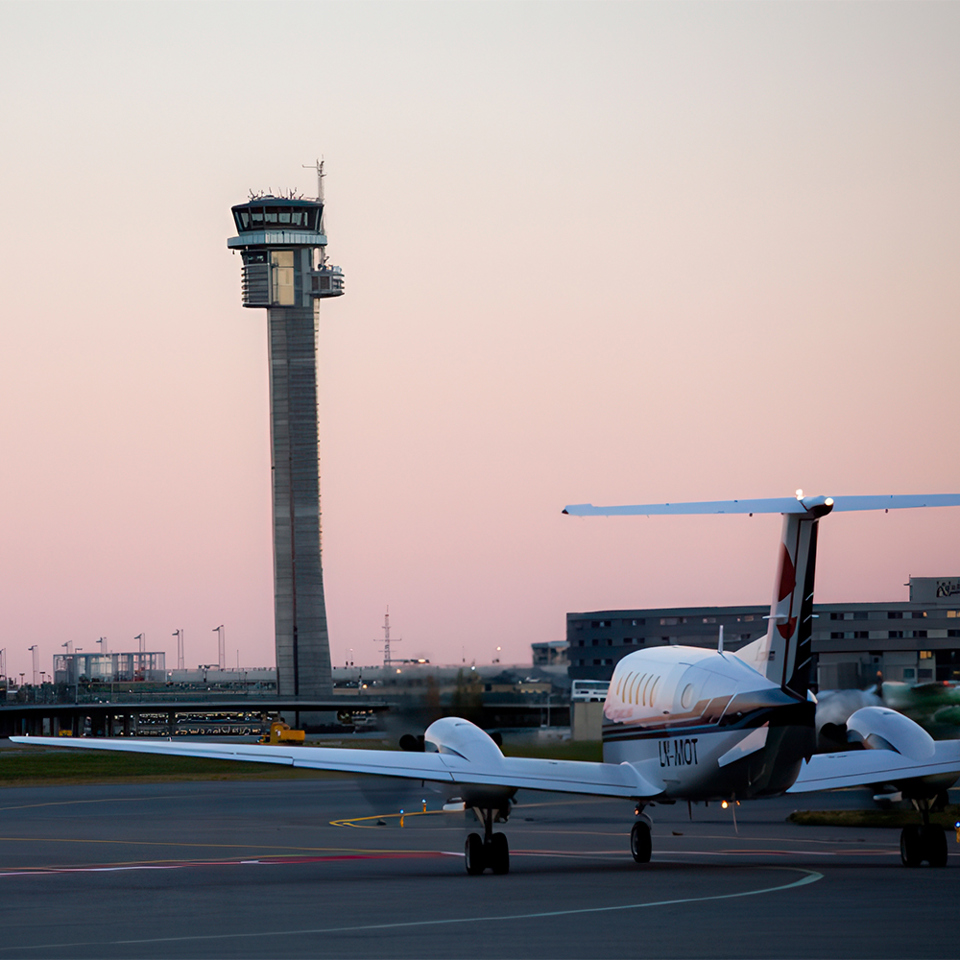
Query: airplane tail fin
(784, 654)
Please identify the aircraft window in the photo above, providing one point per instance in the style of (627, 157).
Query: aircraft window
(620, 685)
(647, 684)
(633, 682)
(686, 698)
(653, 690)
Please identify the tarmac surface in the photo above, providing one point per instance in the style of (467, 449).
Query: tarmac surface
(293, 869)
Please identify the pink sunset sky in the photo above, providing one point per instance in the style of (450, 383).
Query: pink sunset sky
(601, 252)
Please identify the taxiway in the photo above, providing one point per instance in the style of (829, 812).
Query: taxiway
(324, 868)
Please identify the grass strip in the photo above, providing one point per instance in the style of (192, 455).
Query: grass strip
(43, 767)
(873, 818)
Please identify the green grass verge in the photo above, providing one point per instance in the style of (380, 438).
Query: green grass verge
(556, 749)
(872, 818)
(38, 767)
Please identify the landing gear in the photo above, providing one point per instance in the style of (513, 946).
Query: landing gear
(641, 846)
(491, 850)
(910, 854)
(499, 853)
(927, 842)
(473, 852)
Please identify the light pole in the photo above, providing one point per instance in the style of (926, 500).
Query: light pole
(76, 678)
(36, 661)
(221, 646)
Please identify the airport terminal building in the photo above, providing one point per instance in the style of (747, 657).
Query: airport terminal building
(916, 642)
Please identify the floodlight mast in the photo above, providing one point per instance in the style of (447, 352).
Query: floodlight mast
(285, 271)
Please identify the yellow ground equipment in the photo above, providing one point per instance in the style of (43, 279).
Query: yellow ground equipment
(280, 732)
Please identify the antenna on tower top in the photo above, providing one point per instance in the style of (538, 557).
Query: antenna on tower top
(318, 166)
(387, 660)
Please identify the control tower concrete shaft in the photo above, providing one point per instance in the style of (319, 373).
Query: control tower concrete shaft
(285, 270)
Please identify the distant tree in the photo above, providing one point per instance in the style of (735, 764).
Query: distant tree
(467, 698)
(431, 700)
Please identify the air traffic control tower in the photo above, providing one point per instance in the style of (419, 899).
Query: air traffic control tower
(285, 271)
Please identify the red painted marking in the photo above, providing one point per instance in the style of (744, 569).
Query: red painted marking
(788, 575)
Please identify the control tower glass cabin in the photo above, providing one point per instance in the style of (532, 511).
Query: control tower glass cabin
(285, 270)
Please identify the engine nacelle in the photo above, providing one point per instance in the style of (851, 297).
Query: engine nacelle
(879, 728)
(463, 738)
(454, 735)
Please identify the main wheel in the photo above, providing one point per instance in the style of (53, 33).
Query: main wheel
(641, 846)
(474, 855)
(499, 853)
(911, 847)
(933, 845)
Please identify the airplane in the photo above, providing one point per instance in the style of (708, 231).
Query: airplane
(679, 723)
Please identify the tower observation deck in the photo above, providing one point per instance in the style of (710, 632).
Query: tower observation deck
(285, 271)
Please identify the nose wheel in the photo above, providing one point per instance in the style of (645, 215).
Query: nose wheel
(491, 850)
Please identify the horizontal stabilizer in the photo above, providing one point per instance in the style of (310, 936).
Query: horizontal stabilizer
(766, 505)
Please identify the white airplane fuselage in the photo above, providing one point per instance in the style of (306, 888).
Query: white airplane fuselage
(705, 723)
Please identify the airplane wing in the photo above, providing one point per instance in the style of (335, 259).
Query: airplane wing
(560, 776)
(854, 768)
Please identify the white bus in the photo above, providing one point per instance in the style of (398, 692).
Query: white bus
(591, 691)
